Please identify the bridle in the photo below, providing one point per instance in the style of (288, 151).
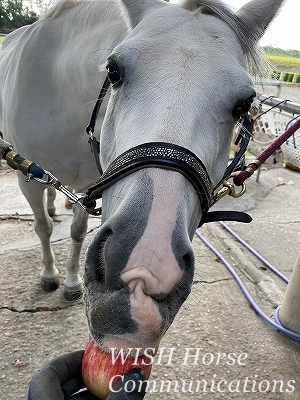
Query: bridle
(173, 157)
(153, 154)
(161, 155)
(156, 154)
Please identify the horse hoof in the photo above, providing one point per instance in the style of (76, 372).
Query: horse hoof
(68, 204)
(50, 285)
(51, 211)
(73, 296)
(73, 293)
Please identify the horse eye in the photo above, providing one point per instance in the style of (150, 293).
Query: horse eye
(113, 74)
(242, 107)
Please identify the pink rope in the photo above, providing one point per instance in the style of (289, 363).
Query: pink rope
(240, 178)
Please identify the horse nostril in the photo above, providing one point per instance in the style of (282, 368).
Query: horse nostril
(188, 264)
(188, 260)
(94, 266)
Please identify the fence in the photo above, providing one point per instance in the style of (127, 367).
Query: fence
(271, 120)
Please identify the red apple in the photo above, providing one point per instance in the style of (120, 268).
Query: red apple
(101, 370)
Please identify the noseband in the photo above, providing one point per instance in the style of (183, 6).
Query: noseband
(168, 156)
(159, 155)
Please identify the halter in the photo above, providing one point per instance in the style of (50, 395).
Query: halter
(156, 154)
(148, 155)
(173, 157)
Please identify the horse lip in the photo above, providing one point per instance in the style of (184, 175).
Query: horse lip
(115, 343)
(126, 327)
(167, 306)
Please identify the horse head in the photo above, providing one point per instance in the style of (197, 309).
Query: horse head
(179, 81)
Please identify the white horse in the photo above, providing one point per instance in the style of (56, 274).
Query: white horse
(179, 80)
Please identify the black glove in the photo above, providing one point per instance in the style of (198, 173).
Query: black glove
(60, 378)
(132, 381)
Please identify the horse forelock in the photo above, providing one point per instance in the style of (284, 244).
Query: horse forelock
(256, 63)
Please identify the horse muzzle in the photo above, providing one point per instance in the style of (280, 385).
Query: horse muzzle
(140, 265)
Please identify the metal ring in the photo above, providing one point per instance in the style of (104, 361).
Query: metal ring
(232, 191)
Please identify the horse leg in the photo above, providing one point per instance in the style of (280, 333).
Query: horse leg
(73, 281)
(51, 195)
(43, 226)
(68, 204)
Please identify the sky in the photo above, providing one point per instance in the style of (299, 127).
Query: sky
(284, 32)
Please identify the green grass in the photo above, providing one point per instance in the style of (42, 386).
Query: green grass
(1, 40)
(285, 64)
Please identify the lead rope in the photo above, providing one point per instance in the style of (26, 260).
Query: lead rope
(240, 178)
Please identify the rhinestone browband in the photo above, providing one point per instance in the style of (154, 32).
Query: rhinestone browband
(161, 155)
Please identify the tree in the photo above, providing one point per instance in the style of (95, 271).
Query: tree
(13, 15)
(41, 5)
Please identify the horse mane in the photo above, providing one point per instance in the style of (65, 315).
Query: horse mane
(60, 8)
(256, 62)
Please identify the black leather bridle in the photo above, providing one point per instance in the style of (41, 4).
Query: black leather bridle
(168, 156)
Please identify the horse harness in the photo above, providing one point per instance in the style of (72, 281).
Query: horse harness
(173, 157)
(152, 154)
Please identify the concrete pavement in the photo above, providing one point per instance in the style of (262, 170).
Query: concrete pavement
(217, 347)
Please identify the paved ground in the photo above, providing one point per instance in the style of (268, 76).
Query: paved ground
(239, 355)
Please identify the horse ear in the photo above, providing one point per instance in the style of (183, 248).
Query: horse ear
(257, 15)
(137, 9)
